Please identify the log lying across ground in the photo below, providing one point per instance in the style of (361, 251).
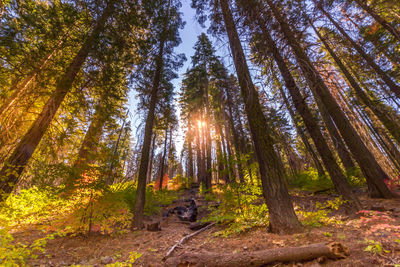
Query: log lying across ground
(262, 257)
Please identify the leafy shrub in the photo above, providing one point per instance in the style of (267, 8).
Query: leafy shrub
(320, 217)
(239, 208)
(309, 180)
(12, 254)
(103, 210)
(33, 205)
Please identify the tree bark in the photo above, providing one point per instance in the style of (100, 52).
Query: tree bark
(262, 257)
(282, 216)
(17, 161)
(368, 164)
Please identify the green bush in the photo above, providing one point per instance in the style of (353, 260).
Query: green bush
(239, 209)
(309, 180)
(320, 217)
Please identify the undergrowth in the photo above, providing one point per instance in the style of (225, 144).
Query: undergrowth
(320, 216)
(239, 208)
(107, 210)
(309, 180)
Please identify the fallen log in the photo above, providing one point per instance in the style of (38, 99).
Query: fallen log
(186, 238)
(258, 258)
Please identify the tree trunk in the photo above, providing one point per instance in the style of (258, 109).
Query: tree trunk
(190, 155)
(225, 152)
(235, 138)
(338, 178)
(338, 143)
(368, 164)
(303, 137)
(379, 19)
(389, 82)
(150, 166)
(200, 159)
(282, 216)
(17, 161)
(162, 163)
(207, 135)
(91, 140)
(148, 132)
(260, 257)
(383, 115)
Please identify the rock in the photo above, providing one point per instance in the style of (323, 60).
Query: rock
(106, 260)
(153, 227)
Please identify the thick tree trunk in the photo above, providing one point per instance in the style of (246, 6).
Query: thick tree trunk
(384, 116)
(372, 171)
(17, 161)
(383, 75)
(379, 19)
(282, 216)
(338, 178)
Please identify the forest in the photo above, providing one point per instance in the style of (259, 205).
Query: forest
(200, 133)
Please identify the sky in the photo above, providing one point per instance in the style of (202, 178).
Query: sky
(189, 37)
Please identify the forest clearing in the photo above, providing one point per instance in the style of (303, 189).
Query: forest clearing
(199, 133)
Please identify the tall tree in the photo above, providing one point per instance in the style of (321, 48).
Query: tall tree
(281, 213)
(368, 164)
(17, 161)
(165, 24)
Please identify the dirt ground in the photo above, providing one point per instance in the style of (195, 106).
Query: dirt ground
(98, 250)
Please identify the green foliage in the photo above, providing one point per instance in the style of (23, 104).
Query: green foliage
(320, 217)
(15, 254)
(309, 180)
(133, 257)
(373, 247)
(31, 206)
(154, 199)
(180, 182)
(355, 177)
(102, 210)
(240, 208)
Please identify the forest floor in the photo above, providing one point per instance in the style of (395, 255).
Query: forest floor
(376, 231)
